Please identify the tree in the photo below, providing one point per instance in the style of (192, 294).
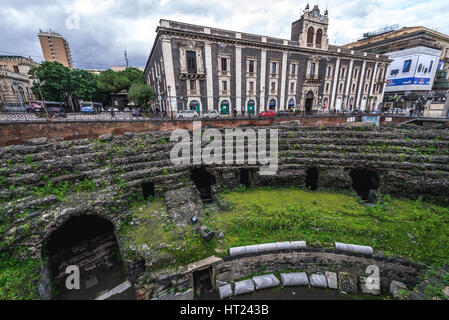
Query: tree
(140, 94)
(55, 80)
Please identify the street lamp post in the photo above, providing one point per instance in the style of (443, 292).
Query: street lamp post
(38, 82)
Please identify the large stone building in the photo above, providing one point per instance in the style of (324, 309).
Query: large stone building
(55, 48)
(392, 40)
(205, 68)
(15, 83)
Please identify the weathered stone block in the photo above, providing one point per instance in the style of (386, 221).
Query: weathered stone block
(372, 287)
(395, 289)
(252, 249)
(332, 280)
(38, 141)
(294, 279)
(341, 246)
(318, 281)
(244, 287)
(219, 283)
(225, 291)
(347, 282)
(105, 137)
(266, 281)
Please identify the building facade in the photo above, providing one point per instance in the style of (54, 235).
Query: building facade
(201, 68)
(408, 38)
(55, 48)
(15, 83)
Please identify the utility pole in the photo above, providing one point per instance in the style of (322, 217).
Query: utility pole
(126, 58)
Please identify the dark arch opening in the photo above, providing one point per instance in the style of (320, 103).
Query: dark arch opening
(203, 181)
(364, 180)
(319, 36)
(148, 190)
(246, 178)
(89, 243)
(310, 33)
(312, 179)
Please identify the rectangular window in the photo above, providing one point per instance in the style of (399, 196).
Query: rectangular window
(191, 61)
(251, 66)
(224, 64)
(273, 68)
(225, 86)
(251, 86)
(343, 70)
(293, 69)
(192, 85)
(329, 71)
(341, 87)
(273, 86)
(327, 87)
(355, 73)
(353, 87)
(312, 69)
(292, 86)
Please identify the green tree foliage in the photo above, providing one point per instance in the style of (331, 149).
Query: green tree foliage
(55, 80)
(140, 94)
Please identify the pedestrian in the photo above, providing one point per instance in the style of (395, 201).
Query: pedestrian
(112, 113)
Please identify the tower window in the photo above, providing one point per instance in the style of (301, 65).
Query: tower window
(191, 61)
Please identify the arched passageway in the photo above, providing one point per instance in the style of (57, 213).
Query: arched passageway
(246, 178)
(312, 179)
(364, 180)
(89, 243)
(203, 181)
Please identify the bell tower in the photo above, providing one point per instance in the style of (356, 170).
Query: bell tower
(311, 30)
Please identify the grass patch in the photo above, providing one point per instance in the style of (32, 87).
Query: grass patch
(18, 278)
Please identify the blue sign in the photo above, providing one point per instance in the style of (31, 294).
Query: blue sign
(408, 81)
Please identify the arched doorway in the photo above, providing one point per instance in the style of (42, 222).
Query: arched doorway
(88, 242)
(312, 178)
(272, 104)
(251, 106)
(224, 107)
(291, 104)
(195, 105)
(363, 181)
(363, 107)
(338, 106)
(203, 181)
(351, 103)
(309, 101)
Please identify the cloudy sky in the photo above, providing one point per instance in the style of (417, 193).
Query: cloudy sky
(99, 30)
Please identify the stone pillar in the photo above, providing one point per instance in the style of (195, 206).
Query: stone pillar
(283, 81)
(263, 74)
(333, 97)
(209, 76)
(358, 100)
(169, 70)
(238, 79)
(348, 83)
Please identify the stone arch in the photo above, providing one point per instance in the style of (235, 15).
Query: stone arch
(310, 34)
(319, 37)
(272, 105)
(312, 178)
(204, 182)
(363, 181)
(87, 241)
(251, 104)
(291, 103)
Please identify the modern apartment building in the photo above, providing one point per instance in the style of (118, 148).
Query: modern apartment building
(55, 48)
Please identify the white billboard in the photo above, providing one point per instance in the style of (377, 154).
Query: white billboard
(412, 69)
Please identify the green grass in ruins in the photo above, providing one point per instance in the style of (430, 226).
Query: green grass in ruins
(414, 230)
(19, 279)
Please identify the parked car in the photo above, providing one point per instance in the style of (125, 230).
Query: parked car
(187, 114)
(136, 112)
(267, 114)
(211, 114)
(283, 113)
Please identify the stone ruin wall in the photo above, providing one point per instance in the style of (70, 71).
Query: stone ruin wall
(409, 162)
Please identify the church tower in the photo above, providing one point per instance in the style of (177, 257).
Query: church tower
(311, 30)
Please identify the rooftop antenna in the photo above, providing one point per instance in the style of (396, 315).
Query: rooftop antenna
(126, 58)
